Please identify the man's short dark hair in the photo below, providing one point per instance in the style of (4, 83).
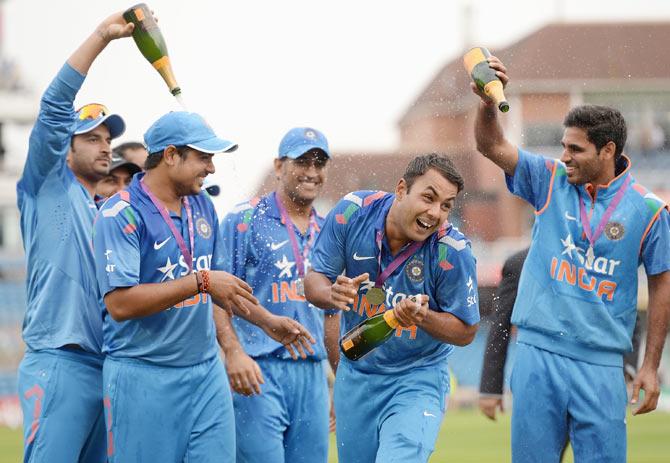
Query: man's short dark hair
(440, 162)
(602, 125)
(153, 159)
(120, 151)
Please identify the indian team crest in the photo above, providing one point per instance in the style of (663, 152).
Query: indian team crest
(203, 228)
(414, 270)
(614, 231)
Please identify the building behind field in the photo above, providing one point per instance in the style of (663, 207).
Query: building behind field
(553, 69)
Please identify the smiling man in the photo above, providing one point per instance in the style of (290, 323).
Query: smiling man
(270, 240)
(374, 251)
(577, 298)
(60, 376)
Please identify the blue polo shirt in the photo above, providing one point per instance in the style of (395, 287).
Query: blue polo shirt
(63, 302)
(565, 303)
(443, 268)
(259, 249)
(133, 245)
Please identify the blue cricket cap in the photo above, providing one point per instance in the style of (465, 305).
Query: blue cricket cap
(181, 128)
(92, 115)
(300, 140)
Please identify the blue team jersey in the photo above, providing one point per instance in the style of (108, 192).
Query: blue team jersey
(565, 303)
(257, 243)
(133, 245)
(443, 268)
(63, 303)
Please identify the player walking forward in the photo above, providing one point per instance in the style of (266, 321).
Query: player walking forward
(577, 298)
(158, 261)
(270, 241)
(60, 377)
(390, 404)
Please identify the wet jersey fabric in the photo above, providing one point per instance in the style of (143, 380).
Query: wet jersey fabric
(443, 268)
(547, 388)
(567, 304)
(160, 413)
(389, 418)
(171, 356)
(390, 403)
(56, 385)
(256, 240)
(133, 245)
(63, 302)
(288, 421)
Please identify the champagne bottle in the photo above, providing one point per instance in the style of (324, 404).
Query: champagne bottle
(485, 77)
(151, 43)
(369, 334)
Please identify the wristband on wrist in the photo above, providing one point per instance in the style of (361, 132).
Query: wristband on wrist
(205, 281)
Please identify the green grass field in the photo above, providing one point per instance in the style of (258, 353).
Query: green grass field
(467, 436)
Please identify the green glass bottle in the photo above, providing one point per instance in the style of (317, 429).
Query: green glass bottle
(151, 43)
(486, 79)
(369, 334)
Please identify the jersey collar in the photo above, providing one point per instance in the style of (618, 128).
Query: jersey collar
(606, 191)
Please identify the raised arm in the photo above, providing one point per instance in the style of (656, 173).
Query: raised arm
(51, 135)
(489, 135)
(112, 28)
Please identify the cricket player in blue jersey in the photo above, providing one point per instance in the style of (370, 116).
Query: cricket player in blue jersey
(269, 242)
(60, 377)
(374, 251)
(159, 268)
(577, 298)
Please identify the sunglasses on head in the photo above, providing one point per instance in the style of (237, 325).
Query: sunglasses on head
(92, 111)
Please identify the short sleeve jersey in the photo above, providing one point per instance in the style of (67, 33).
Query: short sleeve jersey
(133, 245)
(257, 241)
(567, 303)
(442, 268)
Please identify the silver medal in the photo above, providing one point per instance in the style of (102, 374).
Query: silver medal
(590, 256)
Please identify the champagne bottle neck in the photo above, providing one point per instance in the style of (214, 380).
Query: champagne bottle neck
(389, 318)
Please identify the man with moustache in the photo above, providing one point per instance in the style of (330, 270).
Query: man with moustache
(577, 299)
(281, 406)
(60, 376)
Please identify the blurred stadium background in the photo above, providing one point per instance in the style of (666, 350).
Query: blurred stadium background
(633, 79)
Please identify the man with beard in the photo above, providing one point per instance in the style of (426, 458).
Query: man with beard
(60, 377)
(577, 299)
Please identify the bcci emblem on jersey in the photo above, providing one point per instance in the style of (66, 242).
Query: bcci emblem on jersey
(203, 228)
(414, 270)
(614, 231)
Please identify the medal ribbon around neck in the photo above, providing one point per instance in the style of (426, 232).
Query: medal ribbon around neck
(188, 257)
(300, 257)
(382, 276)
(592, 236)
